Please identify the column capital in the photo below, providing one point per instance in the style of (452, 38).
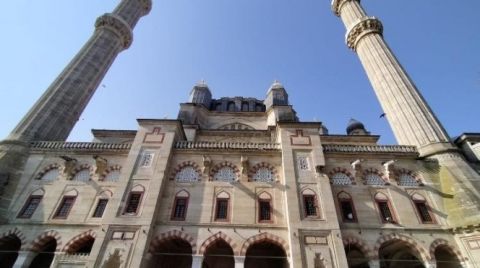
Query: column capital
(117, 25)
(364, 27)
(338, 4)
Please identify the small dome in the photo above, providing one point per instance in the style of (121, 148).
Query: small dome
(277, 84)
(354, 127)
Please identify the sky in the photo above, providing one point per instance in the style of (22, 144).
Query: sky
(240, 47)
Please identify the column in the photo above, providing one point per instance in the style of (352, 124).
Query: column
(374, 263)
(197, 261)
(24, 259)
(239, 261)
(430, 264)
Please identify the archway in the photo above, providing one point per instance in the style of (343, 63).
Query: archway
(81, 246)
(219, 254)
(265, 254)
(445, 258)
(46, 253)
(172, 252)
(399, 254)
(355, 257)
(9, 247)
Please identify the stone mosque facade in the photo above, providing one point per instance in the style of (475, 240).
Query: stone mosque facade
(237, 182)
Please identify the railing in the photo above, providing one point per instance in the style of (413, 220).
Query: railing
(202, 145)
(60, 145)
(344, 148)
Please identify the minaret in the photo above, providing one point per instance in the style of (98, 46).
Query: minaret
(54, 115)
(409, 115)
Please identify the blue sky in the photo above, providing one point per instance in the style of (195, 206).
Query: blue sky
(239, 48)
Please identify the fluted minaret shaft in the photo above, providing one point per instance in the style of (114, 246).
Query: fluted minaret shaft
(54, 115)
(410, 117)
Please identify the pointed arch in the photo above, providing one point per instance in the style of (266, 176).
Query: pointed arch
(264, 237)
(341, 176)
(37, 244)
(76, 242)
(81, 168)
(47, 169)
(17, 233)
(115, 169)
(360, 244)
(446, 245)
(412, 178)
(222, 165)
(416, 247)
(371, 176)
(262, 166)
(213, 239)
(174, 234)
(183, 165)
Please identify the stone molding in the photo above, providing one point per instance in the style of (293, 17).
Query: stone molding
(174, 234)
(79, 146)
(338, 4)
(117, 25)
(410, 242)
(216, 237)
(347, 148)
(18, 234)
(40, 241)
(450, 248)
(202, 145)
(364, 27)
(264, 237)
(362, 246)
(76, 241)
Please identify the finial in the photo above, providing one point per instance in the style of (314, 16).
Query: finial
(202, 82)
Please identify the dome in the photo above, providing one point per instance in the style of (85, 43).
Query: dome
(354, 126)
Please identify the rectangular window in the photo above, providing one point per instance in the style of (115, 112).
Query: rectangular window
(221, 212)
(385, 212)
(65, 207)
(133, 203)
(101, 205)
(423, 212)
(180, 209)
(265, 210)
(30, 207)
(310, 206)
(348, 213)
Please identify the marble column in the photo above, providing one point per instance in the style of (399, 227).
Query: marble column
(239, 261)
(24, 259)
(374, 263)
(197, 261)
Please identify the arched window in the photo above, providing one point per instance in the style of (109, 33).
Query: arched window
(82, 175)
(346, 207)
(31, 204)
(264, 207)
(374, 179)
(341, 178)
(245, 107)
(51, 175)
(263, 174)
(187, 174)
(101, 204)
(385, 208)
(231, 106)
(134, 200)
(66, 205)
(222, 207)
(310, 206)
(112, 176)
(406, 179)
(180, 206)
(226, 174)
(422, 208)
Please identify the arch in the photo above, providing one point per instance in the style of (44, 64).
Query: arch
(71, 192)
(263, 165)
(381, 196)
(77, 241)
(46, 169)
(308, 191)
(360, 244)
(10, 245)
(182, 193)
(223, 194)
(15, 232)
(347, 178)
(265, 195)
(115, 169)
(222, 165)
(106, 194)
(138, 188)
(39, 192)
(184, 164)
(41, 240)
(213, 239)
(422, 254)
(84, 167)
(264, 237)
(372, 176)
(447, 246)
(174, 234)
(414, 176)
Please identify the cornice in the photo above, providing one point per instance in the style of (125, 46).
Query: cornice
(364, 27)
(117, 25)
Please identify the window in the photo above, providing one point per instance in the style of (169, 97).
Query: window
(51, 175)
(30, 207)
(100, 208)
(180, 208)
(423, 210)
(384, 208)
(302, 162)
(65, 207)
(309, 203)
(341, 178)
(374, 179)
(113, 175)
(346, 207)
(187, 174)
(82, 175)
(225, 174)
(265, 210)
(133, 203)
(407, 180)
(221, 212)
(263, 175)
(147, 159)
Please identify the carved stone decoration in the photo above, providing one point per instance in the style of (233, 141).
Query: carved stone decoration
(366, 26)
(101, 165)
(357, 169)
(117, 25)
(390, 171)
(69, 167)
(207, 165)
(245, 165)
(319, 261)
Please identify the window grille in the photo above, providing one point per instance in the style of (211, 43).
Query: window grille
(222, 209)
(423, 212)
(82, 175)
(263, 175)
(180, 209)
(265, 210)
(65, 207)
(374, 179)
(407, 180)
(100, 209)
(341, 179)
(133, 203)
(187, 174)
(385, 212)
(30, 207)
(225, 174)
(310, 206)
(51, 175)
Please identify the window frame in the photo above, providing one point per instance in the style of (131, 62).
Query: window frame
(215, 216)
(140, 200)
(389, 206)
(57, 211)
(174, 208)
(419, 214)
(21, 213)
(269, 201)
(315, 205)
(352, 206)
(97, 206)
